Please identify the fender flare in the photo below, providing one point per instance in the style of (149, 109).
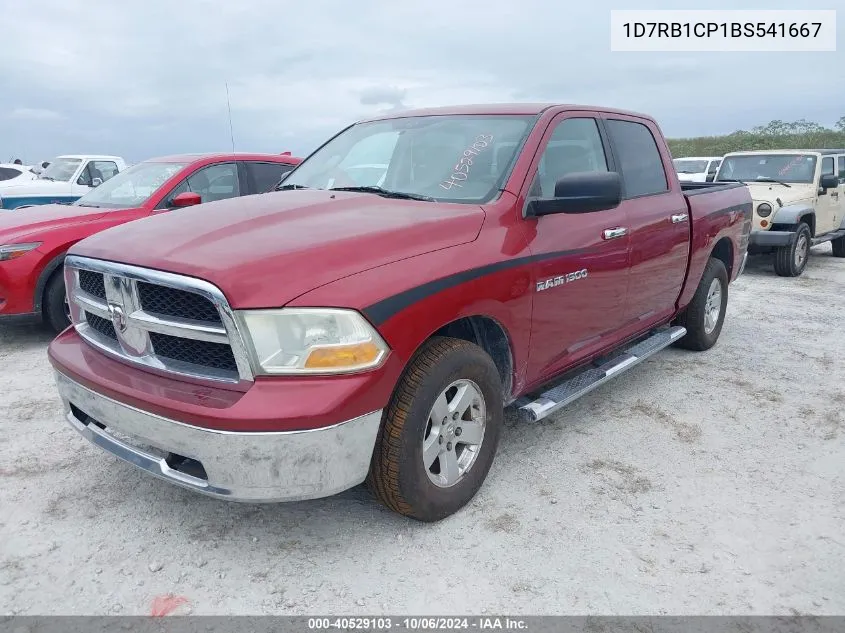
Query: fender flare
(791, 213)
(43, 278)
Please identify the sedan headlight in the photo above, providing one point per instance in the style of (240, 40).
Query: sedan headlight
(13, 251)
(312, 341)
(764, 210)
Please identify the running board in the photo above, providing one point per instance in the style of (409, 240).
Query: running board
(828, 237)
(593, 376)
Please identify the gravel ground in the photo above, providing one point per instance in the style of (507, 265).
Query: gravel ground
(695, 484)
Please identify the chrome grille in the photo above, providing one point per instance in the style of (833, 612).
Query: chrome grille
(167, 323)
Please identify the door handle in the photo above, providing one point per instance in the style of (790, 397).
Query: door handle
(679, 217)
(612, 234)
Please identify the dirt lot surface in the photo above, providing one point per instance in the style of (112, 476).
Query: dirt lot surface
(695, 484)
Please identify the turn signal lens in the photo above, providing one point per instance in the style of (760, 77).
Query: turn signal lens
(764, 223)
(343, 356)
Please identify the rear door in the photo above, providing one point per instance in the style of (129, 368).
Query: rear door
(658, 219)
(581, 267)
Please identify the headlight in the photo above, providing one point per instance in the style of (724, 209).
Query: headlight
(312, 341)
(13, 251)
(764, 210)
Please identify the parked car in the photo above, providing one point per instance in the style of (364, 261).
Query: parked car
(289, 345)
(33, 243)
(799, 202)
(697, 168)
(11, 174)
(66, 179)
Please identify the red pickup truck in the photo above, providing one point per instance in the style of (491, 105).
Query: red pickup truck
(33, 241)
(372, 318)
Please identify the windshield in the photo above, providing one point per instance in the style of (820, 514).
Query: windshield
(799, 168)
(131, 187)
(61, 169)
(450, 158)
(686, 166)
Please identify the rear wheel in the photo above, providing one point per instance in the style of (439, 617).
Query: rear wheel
(55, 307)
(704, 316)
(791, 260)
(440, 432)
(838, 247)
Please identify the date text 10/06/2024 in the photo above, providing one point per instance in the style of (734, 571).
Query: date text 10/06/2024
(418, 624)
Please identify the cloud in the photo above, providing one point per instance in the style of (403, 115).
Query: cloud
(35, 114)
(378, 95)
(144, 79)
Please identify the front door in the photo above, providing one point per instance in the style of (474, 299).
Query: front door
(827, 207)
(581, 260)
(658, 218)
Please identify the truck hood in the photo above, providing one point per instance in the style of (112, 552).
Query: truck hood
(37, 187)
(18, 224)
(265, 250)
(771, 191)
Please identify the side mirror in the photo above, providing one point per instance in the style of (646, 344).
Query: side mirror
(711, 177)
(82, 180)
(829, 181)
(96, 182)
(186, 199)
(581, 192)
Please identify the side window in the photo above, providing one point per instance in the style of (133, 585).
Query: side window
(842, 168)
(7, 173)
(265, 176)
(827, 166)
(102, 169)
(215, 182)
(639, 159)
(714, 166)
(574, 146)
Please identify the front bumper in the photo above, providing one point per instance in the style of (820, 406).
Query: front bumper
(771, 238)
(237, 466)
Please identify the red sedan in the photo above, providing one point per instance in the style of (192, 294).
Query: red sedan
(33, 241)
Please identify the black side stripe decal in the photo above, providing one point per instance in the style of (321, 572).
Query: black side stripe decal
(383, 310)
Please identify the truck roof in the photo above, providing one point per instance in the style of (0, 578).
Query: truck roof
(788, 151)
(191, 157)
(499, 108)
(91, 156)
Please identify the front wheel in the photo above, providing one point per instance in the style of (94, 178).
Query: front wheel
(55, 306)
(704, 316)
(440, 432)
(791, 260)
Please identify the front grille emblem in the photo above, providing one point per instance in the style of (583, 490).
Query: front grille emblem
(118, 318)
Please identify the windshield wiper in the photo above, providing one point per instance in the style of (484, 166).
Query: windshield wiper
(47, 178)
(767, 179)
(385, 193)
(93, 206)
(289, 187)
(742, 182)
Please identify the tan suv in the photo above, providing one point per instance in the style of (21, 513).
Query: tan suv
(799, 201)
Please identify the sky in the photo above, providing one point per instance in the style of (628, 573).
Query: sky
(145, 79)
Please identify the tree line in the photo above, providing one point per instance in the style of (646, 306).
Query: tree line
(801, 134)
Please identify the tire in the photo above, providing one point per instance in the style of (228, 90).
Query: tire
(54, 307)
(790, 261)
(838, 247)
(398, 476)
(702, 324)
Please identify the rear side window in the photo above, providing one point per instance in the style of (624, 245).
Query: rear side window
(265, 176)
(7, 173)
(842, 167)
(638, 158)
